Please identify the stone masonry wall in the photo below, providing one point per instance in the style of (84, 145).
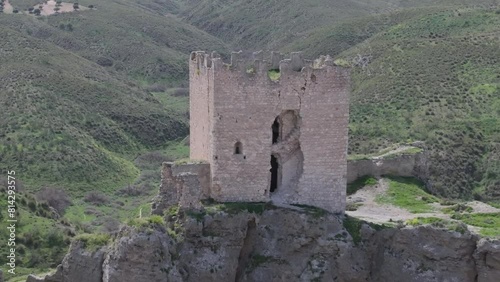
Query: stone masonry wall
(414, 165)
(200, 105)
(184, 185)
(245, 104)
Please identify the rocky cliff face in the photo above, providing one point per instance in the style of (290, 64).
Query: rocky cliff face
(281, 245)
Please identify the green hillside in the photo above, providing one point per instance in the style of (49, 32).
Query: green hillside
(267, 24)
(76, 91)
(68, 120)
(334, 39)
(128, 39)
(92, 102)
(434, 78)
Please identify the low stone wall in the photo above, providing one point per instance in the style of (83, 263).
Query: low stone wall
(184, 185)
(415, 165)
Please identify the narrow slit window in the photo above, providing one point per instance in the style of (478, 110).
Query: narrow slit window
(238, 148)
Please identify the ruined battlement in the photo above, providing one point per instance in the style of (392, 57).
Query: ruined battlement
(256, 66)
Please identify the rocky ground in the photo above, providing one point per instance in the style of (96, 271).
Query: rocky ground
(370, 210)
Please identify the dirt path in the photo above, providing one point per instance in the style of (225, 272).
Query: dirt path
(372, 211)
(395, 151)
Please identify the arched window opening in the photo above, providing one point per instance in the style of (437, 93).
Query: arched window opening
(238, 148)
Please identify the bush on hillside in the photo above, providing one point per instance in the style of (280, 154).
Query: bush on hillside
(96, 198)
(54, 197)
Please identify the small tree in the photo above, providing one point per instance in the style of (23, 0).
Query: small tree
(37, 12)
(15, 11)
(76, 6)
(91, 6)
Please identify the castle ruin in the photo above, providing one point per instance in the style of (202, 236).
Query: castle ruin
(261, 139)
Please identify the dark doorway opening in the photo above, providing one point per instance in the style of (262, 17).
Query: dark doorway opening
(276, 131)
(274, 173)
(274, 161)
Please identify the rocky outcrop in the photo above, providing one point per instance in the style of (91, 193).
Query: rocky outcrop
(139, 256)
(423, 254)
(487, 257)
(282, 245)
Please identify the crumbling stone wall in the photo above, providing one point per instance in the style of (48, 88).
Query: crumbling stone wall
(238, 102)
(414, 165)
(184, 185)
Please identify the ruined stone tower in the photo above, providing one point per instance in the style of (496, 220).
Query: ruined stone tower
(282, 139)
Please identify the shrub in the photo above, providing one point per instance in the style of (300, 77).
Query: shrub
(93, 242)
(32, 206)
(55, 238)
(353, 226)
(96, 198)
(274, 75)
(105, 62)
(180, 92)
(131, 190)
(55, 197)
(111, 225)
(156, 219)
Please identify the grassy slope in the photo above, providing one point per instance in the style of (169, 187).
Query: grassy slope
(334, 39)
(123, 37)
(257, 24)
(436, 79)
(407, 193)
(273, 24)
(41, 242)
(79, 113)
(58, 117)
